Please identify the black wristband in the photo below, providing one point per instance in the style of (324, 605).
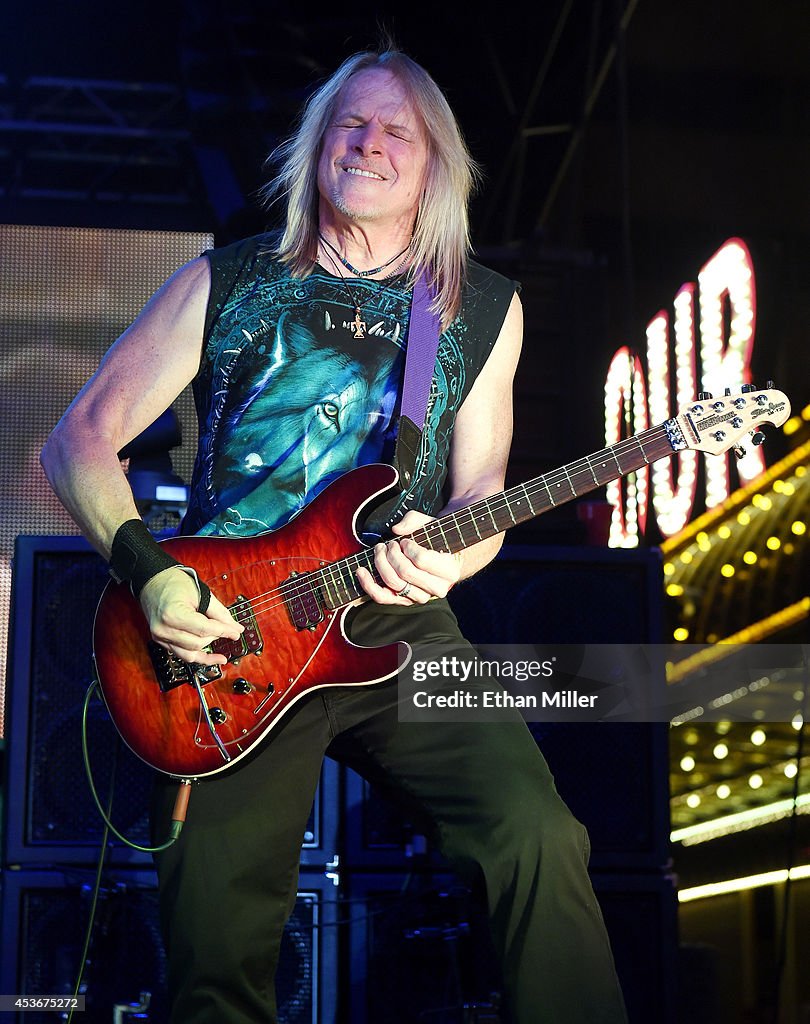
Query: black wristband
(135, 556)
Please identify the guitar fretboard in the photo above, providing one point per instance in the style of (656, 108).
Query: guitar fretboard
(337, 582)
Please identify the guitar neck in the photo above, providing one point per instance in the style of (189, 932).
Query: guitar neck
(456, 531)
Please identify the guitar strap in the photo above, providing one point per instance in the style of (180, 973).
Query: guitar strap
(420, 360)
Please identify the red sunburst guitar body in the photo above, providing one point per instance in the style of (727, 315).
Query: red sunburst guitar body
(152, 698)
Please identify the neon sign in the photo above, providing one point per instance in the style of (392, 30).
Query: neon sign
(727, 306)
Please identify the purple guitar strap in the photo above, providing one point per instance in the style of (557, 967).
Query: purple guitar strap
(420, 360)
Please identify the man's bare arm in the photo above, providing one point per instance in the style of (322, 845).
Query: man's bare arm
(140, 376)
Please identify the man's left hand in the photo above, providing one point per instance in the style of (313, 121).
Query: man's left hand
(410, 573)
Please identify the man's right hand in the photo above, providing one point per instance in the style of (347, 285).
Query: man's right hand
(170, 601)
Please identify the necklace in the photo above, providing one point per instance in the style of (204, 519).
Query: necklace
(363, 273)
(359, 324)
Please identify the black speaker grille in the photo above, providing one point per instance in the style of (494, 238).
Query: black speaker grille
(420, 950)
(67, 586)
(125, 959)
(44, 920)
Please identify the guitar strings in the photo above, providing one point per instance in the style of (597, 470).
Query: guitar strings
(263, 604)
(464, 519)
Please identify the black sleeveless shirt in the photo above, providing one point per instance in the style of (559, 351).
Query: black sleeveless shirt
(288, 398)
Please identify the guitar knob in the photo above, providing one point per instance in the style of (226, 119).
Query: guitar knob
(705, 396)
(241, 686)
(218, 716)
(758, 438)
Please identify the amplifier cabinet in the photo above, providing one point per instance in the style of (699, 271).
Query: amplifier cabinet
(44, 917)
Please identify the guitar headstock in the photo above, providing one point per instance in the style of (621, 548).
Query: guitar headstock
(715, 425)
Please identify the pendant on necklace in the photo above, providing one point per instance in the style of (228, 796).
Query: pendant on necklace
(358, 324)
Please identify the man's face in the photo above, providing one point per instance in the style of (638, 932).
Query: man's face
(374, 154)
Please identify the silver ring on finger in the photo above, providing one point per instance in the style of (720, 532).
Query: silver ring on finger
(405, 591)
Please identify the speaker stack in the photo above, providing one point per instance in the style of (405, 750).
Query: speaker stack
(52, 830)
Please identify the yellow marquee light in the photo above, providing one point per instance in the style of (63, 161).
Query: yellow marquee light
(740, 821)
(779, 877)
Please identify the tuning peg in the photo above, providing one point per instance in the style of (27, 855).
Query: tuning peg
(704, 396)
(768, 385)
(727, 392)
(739, 451)
(748, 387)
(758, 438)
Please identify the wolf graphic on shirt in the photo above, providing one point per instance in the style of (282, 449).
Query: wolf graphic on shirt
(305, 412)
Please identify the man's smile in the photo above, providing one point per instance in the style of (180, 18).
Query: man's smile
(363, 173)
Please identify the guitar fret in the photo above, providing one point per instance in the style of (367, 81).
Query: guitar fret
(347, 587)
(332, 598)
(438, 523)
(427, 539)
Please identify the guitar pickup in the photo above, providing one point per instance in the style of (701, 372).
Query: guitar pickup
(250, 642)
(303, 602)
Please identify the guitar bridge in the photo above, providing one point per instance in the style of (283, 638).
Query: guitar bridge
(172, 671)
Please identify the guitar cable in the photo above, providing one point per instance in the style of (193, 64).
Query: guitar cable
(180, 804)
(88, 935)
(178, 819)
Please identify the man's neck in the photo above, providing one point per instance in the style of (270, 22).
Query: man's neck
(367, 245)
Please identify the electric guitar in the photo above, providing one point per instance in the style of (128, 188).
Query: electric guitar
(291, 589)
